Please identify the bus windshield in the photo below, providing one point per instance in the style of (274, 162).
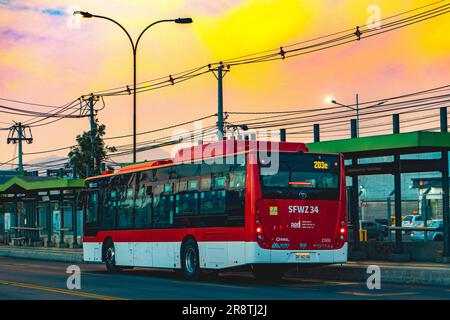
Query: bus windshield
(302, 176)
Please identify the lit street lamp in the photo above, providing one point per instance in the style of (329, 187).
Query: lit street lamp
(134, 46)
(331, 100)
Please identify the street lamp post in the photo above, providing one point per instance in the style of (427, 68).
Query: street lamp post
(355, 109)
(134, 47)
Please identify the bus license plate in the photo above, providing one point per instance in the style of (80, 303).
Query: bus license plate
(302, 256)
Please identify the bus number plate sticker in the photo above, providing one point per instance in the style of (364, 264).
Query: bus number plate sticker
(302, 256)
(273, 211)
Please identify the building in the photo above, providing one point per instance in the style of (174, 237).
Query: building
(37, 210)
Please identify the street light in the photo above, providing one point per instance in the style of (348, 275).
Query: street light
(134, 45)
(331, 100)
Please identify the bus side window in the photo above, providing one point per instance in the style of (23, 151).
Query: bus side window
(163, 205)
(91, 214)
(236, 198)
(92, 208)
(186, 200)
(163, 211)
(213, 199)
(144, 200)
(109, 208)
(126, 202)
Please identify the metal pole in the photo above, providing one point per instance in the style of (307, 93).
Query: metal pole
(316, 130)
(134, 104)
(61, 227)
(92, 119)
(283, 135)
(357, 115)
(49, 223)
(355, 197)
(93, 134)
(353, 128)
(445, 203)
(398, 204)
(389, 213)
(424, 211)
(355, 209)
(396, 123)
(74, 221)
(220, 103)
(19, 136)
(444, 124)
(445, 186)
(134, 46)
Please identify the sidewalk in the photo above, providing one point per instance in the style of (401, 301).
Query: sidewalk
(420, 273)
(42, 253)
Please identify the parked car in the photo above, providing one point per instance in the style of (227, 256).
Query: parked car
(437, 235)
(375, 230)
(412, 221)
(383, 222)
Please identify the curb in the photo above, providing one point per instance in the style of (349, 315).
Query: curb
(72, 257)
(389, 274)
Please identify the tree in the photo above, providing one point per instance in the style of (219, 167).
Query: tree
(82, 155)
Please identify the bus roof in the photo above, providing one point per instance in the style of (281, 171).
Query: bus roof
(211, 150)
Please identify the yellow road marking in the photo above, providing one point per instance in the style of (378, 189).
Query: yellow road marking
(319, 282)
(62, 291)
(368, 294)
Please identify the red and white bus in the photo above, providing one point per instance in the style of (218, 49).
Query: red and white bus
(218, 206)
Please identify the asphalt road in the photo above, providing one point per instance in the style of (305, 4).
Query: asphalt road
(35, 279)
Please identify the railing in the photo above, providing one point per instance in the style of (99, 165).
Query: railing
(425, 229)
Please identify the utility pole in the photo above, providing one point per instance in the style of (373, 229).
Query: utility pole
(18, 134)
(221, 72)
(91, 101)
(220, 102)
(92, 121)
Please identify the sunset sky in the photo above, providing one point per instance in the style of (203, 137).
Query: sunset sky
(46, 58)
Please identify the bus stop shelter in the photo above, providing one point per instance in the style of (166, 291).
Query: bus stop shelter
(394, 146)
(40, 210)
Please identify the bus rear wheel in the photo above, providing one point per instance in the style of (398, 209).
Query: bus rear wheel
(190, 260)
(110, 258)
(268, 272)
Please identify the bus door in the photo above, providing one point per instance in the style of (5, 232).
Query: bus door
(91, 213)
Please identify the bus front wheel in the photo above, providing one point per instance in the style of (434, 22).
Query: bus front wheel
(190, 260)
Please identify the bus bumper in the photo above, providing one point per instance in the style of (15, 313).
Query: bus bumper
(256, 254)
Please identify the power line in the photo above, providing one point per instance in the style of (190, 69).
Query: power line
(336, 115)
(284, 52)
(161, 129)
(29, 103)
